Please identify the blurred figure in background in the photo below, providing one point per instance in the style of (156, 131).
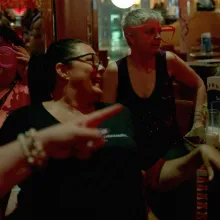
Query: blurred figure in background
(33, 33)
(13, 62)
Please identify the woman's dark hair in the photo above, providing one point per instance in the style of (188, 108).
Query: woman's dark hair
(41, 70)
(10, 36)
(7, 34)
(4, 21)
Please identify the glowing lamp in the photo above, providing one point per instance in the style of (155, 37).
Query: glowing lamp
(123, 3)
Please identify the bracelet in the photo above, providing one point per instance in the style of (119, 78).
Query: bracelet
(32, 148)
(196, 118)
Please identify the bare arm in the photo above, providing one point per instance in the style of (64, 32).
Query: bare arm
(13, 163)
(14, 172)
(110, 83)
(178, 170)
(11, 173)
(186, 75)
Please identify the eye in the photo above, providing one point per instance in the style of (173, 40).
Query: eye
(149, 31)
(89, 60)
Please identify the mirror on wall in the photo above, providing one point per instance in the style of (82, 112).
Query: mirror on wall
(110, 35)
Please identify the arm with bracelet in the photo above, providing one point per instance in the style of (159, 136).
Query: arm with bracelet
(33, 148)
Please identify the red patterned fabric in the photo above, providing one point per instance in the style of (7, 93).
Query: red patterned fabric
(202, 194)
(18, 97)
(8, 59)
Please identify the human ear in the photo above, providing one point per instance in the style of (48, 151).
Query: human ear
(62, 71)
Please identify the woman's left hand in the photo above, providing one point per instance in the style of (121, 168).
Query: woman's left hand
(211, 158)
(22, 54)
(198, 129)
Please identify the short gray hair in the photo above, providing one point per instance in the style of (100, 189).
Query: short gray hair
(139, 16)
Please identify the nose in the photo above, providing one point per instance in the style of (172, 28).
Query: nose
(101, 69)
(158, 36)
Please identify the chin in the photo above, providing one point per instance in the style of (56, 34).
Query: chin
(155, 50)
(97, 98)
(93, 98)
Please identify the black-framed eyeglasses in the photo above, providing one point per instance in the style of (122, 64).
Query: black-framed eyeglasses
(95, 61)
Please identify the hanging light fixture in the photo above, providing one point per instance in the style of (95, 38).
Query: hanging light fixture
(137, 2)
(123, 3)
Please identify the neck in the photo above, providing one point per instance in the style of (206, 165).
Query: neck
(74, 100)
(145, 61)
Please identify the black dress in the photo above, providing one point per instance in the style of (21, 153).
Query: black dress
(155, 127)
(106, 186)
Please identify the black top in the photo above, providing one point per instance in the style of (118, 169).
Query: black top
(155, 126)
(106, 186)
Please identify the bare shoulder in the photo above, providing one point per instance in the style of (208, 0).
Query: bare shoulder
(111, 73)
(170, 56)
(174, 61)
(110, 83)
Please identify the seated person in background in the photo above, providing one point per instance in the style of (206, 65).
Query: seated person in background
(26, 38)
(142, 82)
(36, 41)
(13, 62)
(101, 183)
(32, 34)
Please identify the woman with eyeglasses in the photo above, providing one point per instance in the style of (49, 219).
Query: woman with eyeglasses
(65, 84)
(143, 82)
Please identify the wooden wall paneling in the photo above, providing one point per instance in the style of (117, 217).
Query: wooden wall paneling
(48, 26)
(74, 19)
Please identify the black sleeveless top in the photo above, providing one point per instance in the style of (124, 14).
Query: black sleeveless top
(154, 118)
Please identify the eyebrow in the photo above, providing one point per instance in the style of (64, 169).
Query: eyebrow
(80, 56)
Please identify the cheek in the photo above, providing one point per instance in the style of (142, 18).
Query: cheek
(6, 76)
(1, 70)
(143, 41)
(3, 73)
(81, 75)
(21, 68)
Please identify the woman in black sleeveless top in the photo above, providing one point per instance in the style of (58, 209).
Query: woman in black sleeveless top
(156, 129)
(142, 81)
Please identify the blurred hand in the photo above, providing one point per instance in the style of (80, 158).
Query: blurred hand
(211, 158)
(79, 138)
(197, 130)
(151, 215)
(22, 54)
